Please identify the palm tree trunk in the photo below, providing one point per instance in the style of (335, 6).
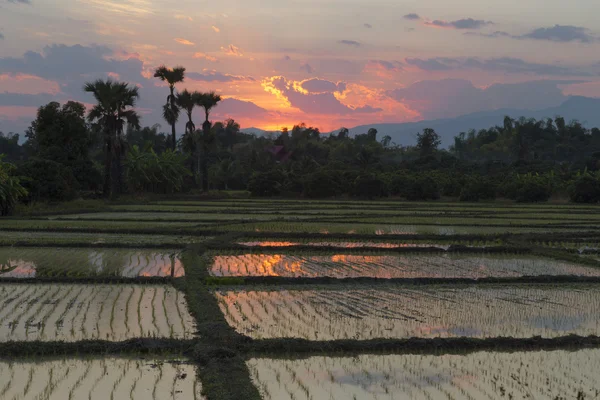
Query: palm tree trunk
(173, 137)
(119, 172)
(173, 133)
(107, 168)
(204, 159)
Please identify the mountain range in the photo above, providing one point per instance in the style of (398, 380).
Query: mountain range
(583, 109)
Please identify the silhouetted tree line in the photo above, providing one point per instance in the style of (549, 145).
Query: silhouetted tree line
(69, 153)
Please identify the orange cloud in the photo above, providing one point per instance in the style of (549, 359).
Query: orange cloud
(186, 17)
(205, 57)
(184, 42)
(232, 50)
(269, 86)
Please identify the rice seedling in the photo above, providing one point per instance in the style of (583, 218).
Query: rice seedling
(370, 312)
(341, 244)
(388, 229)
(394, 266)
(80, 312)
(483, 375)
(30, 262)
(94, 239)
(172, 216)
(99, 378)
(25, 224)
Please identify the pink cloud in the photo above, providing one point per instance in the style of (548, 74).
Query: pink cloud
(185, 42)
(205, 57)
(232, 50)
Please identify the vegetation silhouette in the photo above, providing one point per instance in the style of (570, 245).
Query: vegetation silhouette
(66, 156)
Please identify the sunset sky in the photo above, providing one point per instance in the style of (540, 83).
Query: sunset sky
(328, 63)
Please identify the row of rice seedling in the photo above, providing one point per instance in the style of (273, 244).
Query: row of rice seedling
(24, 224)
(173, 217)
(581, 246)
(99, 379)
(59, 312)
(340, 244)
(483, 375)
(369, 312)
(292, 211)
(387, 204)
(464, 220)
(31, 262)
(395, 266)
(256, 202)
(385, 229)
(95, 239)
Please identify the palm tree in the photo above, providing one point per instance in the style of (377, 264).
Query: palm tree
(188, 101)
(170, 110)
(113, 111)
(207, 101)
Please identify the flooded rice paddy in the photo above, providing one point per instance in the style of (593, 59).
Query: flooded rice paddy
(26, 262)
(99, 379)
(370, 312)
(484, 375)
(345, 245)
(395, 266)
(64, 312)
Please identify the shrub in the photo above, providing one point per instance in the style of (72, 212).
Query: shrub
(48, 180)
(452, 187)
(527, 188)
(87, 175)
(585, 189)
(10, 188)
(422, 187)
(478, 189)
(369, 186)
(266, 184)
(321, 184)
(397, 184)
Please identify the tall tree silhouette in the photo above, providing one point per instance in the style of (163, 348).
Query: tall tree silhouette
(170, 110)
(207, 101)
(113, 111)
(428, 142)
(187, 101)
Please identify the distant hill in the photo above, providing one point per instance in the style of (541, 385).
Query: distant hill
(584, 109)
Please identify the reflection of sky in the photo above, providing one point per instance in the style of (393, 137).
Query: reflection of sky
(561, 323)
(374, 382)
(262, 53)
(19, 269)
(518, 375)
(97, 262)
